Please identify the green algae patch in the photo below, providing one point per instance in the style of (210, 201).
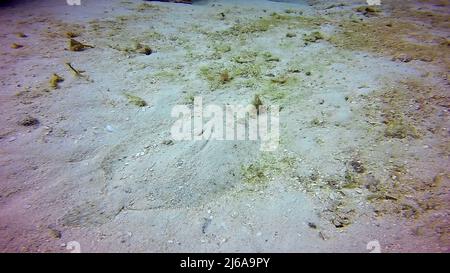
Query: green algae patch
(368, 10)
(247, 66)
(135, 100)
(215, 76)
(245, 57)
(220, 49)
(259, 172)
(272, 21)
(254, 174)
(273, 92)
(397, 127)
(280, 88)
(410, 108)
(392, 37)
(133, 47)
(145, 7)
(313, 37)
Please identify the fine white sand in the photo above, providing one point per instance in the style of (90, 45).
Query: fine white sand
(100, 171)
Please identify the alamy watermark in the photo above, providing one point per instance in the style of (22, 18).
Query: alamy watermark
(228, 122)
(374, 246)
(73, 2)
(73, 247)
(373, 2)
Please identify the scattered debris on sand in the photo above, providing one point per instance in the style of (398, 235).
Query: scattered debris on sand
(16, 46)
(313, 37)
(28, 121)
(363, 140)
(75, 72)
(54, 80)
(135, 100)
(74, 45)
(143, 49)
(71, 34)
(21, 35)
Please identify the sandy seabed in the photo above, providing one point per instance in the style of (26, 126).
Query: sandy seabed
(87, 156)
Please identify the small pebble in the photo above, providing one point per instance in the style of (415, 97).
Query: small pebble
(109, 128)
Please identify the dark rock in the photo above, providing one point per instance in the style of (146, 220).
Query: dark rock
(357, 166)
(29, 121)
(167, 142)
